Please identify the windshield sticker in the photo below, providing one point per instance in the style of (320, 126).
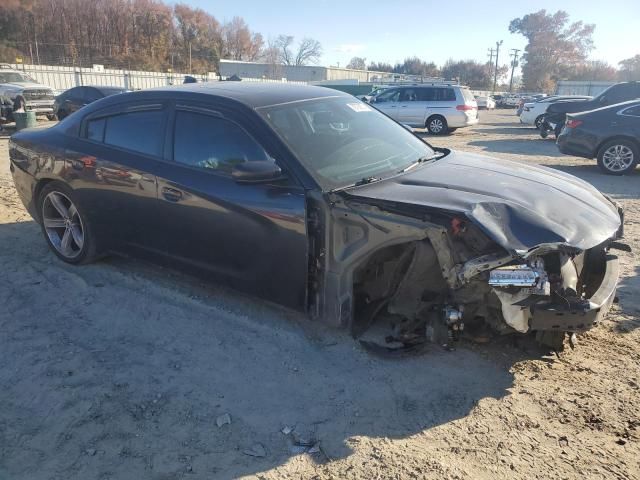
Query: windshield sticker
(359, 107)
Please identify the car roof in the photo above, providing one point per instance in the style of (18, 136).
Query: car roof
(252, 94)
(615, 106)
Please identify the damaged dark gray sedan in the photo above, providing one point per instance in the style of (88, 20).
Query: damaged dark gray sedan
(310, 198)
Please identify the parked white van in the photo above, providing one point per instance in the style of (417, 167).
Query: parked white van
(438, 108)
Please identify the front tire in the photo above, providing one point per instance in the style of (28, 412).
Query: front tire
(618, 156)
(65, 225)
(437, 125)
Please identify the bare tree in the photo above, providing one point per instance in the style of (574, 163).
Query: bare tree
(283, 45)
(357, 63)
(309, 51)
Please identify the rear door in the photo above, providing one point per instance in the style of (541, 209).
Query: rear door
(122, 148)
(250, 236)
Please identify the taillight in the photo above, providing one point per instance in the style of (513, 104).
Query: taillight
(464, 108)
(573, 123)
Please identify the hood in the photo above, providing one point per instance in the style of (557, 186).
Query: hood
(519, 206)
(27, 85)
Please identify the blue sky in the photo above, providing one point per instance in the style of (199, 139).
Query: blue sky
(433, 30)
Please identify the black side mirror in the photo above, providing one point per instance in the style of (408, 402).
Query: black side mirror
(256, 172)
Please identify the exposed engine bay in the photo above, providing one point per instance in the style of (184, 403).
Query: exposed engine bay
(439, 274)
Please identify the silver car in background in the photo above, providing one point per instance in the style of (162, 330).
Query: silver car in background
(438, 108)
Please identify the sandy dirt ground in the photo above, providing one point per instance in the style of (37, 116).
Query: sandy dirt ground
(122, 370)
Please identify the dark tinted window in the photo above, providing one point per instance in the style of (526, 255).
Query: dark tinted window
(391, 95)
(74, 94)
(408, 95)
(437, 94)
(106, 91)
(426, 94)
(213, 143)
(95, 129)
(136, 131)
(618, 93)
(446, 95)
(91, 95)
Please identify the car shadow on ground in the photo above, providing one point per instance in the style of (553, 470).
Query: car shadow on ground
(135, 365)
(518, 146)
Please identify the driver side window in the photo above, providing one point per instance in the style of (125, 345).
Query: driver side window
(388, 96)
(212, 143)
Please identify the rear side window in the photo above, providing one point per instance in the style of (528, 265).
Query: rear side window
(426, 94)
(443, 95)
(136, 131)
(95, 130)
(619, 93)
(91, 95)
(212, 143)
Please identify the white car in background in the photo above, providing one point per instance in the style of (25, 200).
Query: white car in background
(39, 98)
(486, 102)
(439, 107)
(533, 113)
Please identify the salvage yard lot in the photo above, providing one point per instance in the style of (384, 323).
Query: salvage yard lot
(120, 370)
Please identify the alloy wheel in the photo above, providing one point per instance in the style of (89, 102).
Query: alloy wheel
(617, 158)
(436, 125)
(63, 224)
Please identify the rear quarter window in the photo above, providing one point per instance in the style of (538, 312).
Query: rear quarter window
(140, 131)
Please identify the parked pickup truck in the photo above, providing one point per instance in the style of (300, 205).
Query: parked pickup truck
(39, 98)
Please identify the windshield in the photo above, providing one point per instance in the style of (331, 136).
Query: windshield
(12, 77)
(342, 141)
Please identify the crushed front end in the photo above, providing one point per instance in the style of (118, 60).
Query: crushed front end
(399, 276)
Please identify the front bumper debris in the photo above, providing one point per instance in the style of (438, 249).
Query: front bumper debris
(579, 315)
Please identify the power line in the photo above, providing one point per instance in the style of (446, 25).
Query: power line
(495, 73)
(514, 64)
(491, 53)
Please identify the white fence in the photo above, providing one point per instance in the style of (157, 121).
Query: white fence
(62, 78)
(574, 87)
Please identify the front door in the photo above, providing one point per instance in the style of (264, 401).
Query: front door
(387, 102)
(250, 236)
(410, 110)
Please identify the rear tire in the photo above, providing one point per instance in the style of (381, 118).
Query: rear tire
(618, 156)
(538, 121)
(437, 125)
(65, 225)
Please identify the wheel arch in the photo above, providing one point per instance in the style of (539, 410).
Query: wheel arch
(628, 138)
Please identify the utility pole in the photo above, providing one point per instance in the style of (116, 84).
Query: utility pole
(491, 52)
(514, 64)
(190, 57)
(495, 73)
